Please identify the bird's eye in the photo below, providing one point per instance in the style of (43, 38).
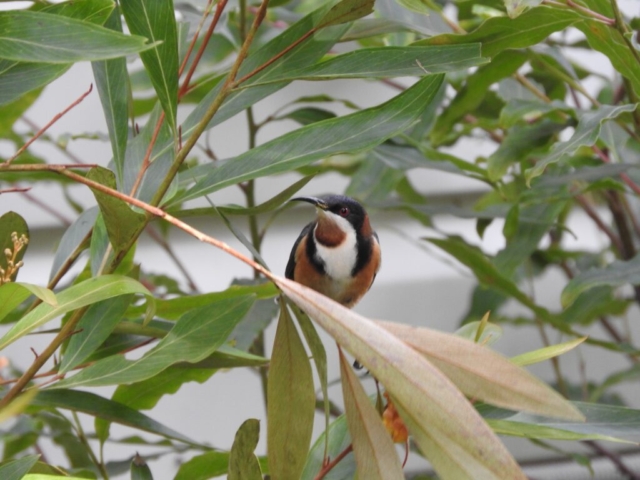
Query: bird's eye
(344, 211)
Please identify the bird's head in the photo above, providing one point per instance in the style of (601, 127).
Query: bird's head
(338, 216)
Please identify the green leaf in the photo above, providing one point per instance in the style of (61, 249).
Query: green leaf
(586, 134)
(610, 42)
(17, 78)
(338, 439)
(388, 62)
(516, 7)
(112, 81)
(13, 294)
(13, 110)
(465, 444)
(615, 274)
(12, 223)
(156, 21)
(121, 221)
(204, 466)
(358, 131)
(100, 407)
(347, 11)
(546, 353)
(139, 469)
(94, 328)
(77, 296)
(243, 464)
(376, 457)
(501, 33)
(17, 469)
(194, 337)
(75, 239)
(94, 11)
(290, 402)
(491, 332)
(41, 37)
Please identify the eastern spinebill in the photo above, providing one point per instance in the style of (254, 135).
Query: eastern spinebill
(338, 254)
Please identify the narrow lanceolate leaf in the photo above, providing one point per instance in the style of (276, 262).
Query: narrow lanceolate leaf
(339, 439)
(431, 406)
(545, 353)
(75, 239)
(193, 338)
(13, 294)
(41, 37)
(351, 133)
(585, 134)
(156, 21)
(388, 62)
(121, 221)
(100, 407)
(112, 82)
(501, 33)
(243, 464)
(290, 402)
(18, 78)
(481, 373)
(205, 466)
(77, 296)
(17, 469)
(616, 274)
(347, 11)
(94, 328)
(375, 453)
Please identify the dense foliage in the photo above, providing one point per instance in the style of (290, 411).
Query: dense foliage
(501, 71)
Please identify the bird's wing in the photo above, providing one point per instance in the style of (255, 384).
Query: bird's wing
(291, 264)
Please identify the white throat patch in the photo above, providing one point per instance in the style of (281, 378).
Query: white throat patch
(339, 261)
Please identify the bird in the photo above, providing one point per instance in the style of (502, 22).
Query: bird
(337, 254)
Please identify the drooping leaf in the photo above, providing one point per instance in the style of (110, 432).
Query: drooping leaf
(388, 62)
(481, 373)
(17, 469)
(420, 392)
(77, 296)
(121, 221)
(74, 240)
(243, 464)
(546, 353)
(585, 134)
(376, 456)
(13, 294)
(355, 132)
(19, 78)
(41, 37)
(615, 274)
(112, 83)
(100, 407)
(290, 402)
(193, 338)
(501, 33)
(156, 21)
(347, 11)
(204, 466)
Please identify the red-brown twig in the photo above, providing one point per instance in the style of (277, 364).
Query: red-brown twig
(167, 248)
(45, 206)
(329, 466)
(185, 84)
(15, 190)
(65, 151)
(46, 127)
(615, 240)
(146, 161)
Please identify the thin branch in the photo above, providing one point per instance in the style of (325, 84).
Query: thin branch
(167, 248)
(329, 466)
(62, 149)
(45, 206)
(615, 240)
(46, 127)
(614, 458)
(15, 190)
(604, 19)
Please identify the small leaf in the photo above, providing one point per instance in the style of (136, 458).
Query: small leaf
(490, 334)
(339, 440)
(347, 11)
(516, 7)
(243, 464)
(121, 221)
(156, 21)
(17, 469)
(40, 37)
(77, 296)
(17, 406)
(376, 456)
(290, 402)
(75, 239)
(204, 466)
(139, 469)
(13, 294)
(546, 353)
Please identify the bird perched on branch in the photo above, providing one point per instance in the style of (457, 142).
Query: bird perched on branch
(338, 254)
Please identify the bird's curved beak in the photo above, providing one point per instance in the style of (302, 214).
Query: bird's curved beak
(318, 202)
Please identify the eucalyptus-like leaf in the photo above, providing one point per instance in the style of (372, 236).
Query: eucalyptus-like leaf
(13, 294)
(290, 401)
(347, 11)
(423, 395)
(204, 466)
(77, 296)
(156, 21)
(491, 333)
(481, 373)
(375, 453)
(243, 464)
(351, 133)
(193, 338)
(18, 469)
(75, 239)
(338, 438)
(47, 38)
(546, 353)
